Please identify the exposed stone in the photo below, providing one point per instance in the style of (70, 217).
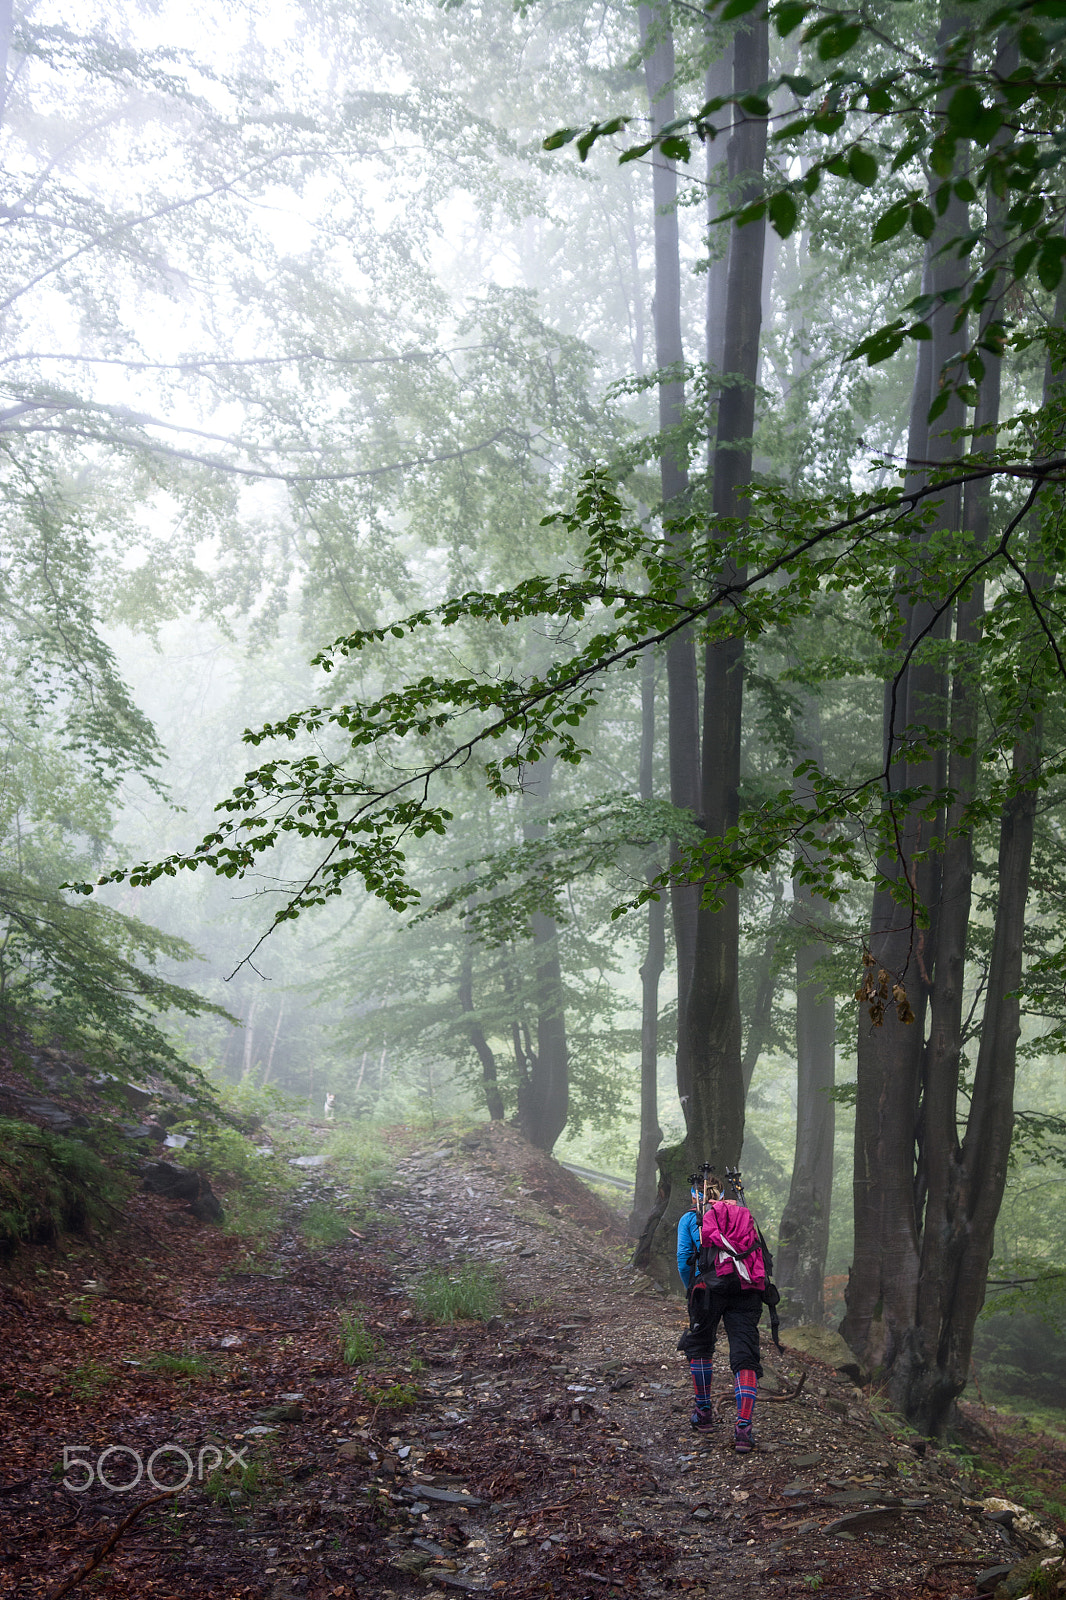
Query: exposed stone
(824, 1344)
(1020, 1578)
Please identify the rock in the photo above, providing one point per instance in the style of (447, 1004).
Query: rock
(173, 1182)
(151, 1132)
(985, 1582)
(166, 1178)
(178, 1219)
(410, 1560)
(814, 1459)
(53, 1116)
(176, 1141)
(863, 1521)
(824, 1344)
(353, 1450)
(1022, 1524)
(442, 1497)
(1021, 1577)
(207, 1208)
(288, 1413)
(307, 1161)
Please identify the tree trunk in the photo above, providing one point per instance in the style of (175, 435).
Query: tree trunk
(931, 1305)
(645, 1183)
(711, 1027)
(804, 1231)
(489, 1079)
(709, 1032)
(544, 1097)
(683, 701)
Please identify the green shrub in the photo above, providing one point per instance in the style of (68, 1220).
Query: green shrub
(51, 1184)
(255, 1186)
(470, 1291)
(358, 1344)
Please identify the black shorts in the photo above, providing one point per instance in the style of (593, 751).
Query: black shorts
(739, 1310)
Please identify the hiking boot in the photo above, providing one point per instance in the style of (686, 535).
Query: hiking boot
(742, 1440)
(702, 1421)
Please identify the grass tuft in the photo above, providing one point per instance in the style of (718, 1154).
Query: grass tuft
(165, 1365)
(358, 1344)
(470, 1291)
(322, 1227)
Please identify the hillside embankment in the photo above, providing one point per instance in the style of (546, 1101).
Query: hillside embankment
(339, 1441)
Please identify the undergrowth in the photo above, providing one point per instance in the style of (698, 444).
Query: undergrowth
(51, 1184)
(469, 1291)
(321, 1226)
(359, 1157)
(358, 1344)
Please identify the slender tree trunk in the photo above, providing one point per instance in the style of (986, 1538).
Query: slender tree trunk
(711, 1026)
(645, 1183)
(682, 685)
(489, 1078)
(545, 1105)
(709, 1033)
(804, 1231)
(269, 1068)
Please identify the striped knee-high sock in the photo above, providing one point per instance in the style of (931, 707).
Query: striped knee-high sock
(746, 1387)
(702, 1372)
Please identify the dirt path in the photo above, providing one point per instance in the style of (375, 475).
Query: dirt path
(546, 1452)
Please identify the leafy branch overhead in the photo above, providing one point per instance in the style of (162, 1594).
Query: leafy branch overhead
(363, 783)
(875, 112)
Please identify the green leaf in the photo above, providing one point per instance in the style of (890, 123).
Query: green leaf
(676, 148)
(939, 405)
(942, 155)
(737, 8)
(922, 220)
(754, 105)
(862, 166)
(782, 212)
(828, 121)
(880, 345)
(838, 40)
(891, 222)
(964, 110)
(907, 153)
(1031, 43)
(919, 330)
(1049, 264)
(1025, 256)
(966, 191)
(800, 86)
(975, 366)
(789, 16)
(878, 99)
(990, 122)
(750, 213)
(561, 136)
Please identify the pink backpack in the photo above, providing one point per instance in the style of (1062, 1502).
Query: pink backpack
(731, 1245)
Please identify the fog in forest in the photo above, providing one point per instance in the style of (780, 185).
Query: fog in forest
(506, 505)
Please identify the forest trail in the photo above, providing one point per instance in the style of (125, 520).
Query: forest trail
(544, 1452)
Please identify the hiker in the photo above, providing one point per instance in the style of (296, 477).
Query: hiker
(328, 1108)
(728, 1289)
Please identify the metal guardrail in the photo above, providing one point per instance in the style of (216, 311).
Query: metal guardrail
(598, 1177)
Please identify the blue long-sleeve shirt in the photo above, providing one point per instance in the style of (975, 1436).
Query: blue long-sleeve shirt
(688, 1244)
